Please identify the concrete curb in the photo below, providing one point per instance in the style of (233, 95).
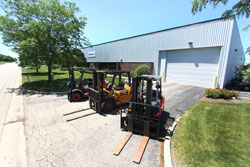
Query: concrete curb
(13, 143)
(167, 144)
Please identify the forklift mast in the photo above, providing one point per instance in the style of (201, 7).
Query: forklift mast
(76, 91)
(71, 78)
(145, 113)
(97, 94)
(119, 73)
(145, 105)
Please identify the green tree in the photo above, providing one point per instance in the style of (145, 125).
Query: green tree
(73, 58)
(28, 54)
(7, 58)
(248, 51)
(243, 72)
(42, 29)
(239, 9)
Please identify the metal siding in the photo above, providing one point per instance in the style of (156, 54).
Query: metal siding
(193, 67)
(235, 58)
(162, 64)
(224, 54)
(146, 48)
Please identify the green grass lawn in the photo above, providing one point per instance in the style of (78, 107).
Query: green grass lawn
(39, 82)
(2, 62)
(214, 134)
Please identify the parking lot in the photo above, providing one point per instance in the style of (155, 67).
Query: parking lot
(179, 97)
(86, 141)
(58, 134)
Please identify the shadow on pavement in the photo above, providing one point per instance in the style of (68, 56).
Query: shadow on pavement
(43, 73)
(22, 91)
(114, 112)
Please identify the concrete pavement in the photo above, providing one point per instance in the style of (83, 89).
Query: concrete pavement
(8, 74)
(244, 95)
(87, 141)
(12, 141)
(91, 140)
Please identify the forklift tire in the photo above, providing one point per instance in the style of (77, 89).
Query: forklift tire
(246, 88)
(108, 105)
(76, 96)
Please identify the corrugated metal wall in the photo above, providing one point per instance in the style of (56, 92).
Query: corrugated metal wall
(146, 48)
(236, 56)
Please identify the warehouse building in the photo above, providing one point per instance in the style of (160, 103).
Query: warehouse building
(201, 54)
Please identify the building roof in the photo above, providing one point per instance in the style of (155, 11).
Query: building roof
(156, 32)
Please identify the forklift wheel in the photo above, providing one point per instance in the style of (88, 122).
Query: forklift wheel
(246, 88)
(76, 96)
(108, 105)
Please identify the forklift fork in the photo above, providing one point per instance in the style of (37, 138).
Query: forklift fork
(139, 153)
(140, 117)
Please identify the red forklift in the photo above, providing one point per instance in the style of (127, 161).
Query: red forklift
(144, 115)
(78, 91)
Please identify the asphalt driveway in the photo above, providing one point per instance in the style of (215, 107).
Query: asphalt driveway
(178, 97)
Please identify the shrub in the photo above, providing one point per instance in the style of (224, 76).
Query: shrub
(132, 73)
(104, 69)
(124, 74)
(142, 69)
(220, 93)
(243, 72)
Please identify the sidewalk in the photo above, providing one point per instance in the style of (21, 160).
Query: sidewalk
(244, 95)
(12, 143)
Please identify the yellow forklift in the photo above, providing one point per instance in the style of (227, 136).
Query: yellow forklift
(103, 96)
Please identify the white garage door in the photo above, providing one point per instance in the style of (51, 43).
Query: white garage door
(197, 67)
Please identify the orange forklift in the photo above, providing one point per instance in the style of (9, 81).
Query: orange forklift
(144, 115)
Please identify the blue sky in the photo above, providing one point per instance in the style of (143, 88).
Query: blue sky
(114, 19)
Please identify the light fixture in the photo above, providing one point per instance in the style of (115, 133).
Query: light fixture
(190, 44)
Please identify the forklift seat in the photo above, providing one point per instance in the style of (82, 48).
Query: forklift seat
(109, 87)
(90, 82)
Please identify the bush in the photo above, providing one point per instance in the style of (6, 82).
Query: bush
(132, 73)
(220, 93)
(243, 72)
(142, 69)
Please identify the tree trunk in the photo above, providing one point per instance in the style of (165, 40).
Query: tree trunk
(37, 69)
(49, 73)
